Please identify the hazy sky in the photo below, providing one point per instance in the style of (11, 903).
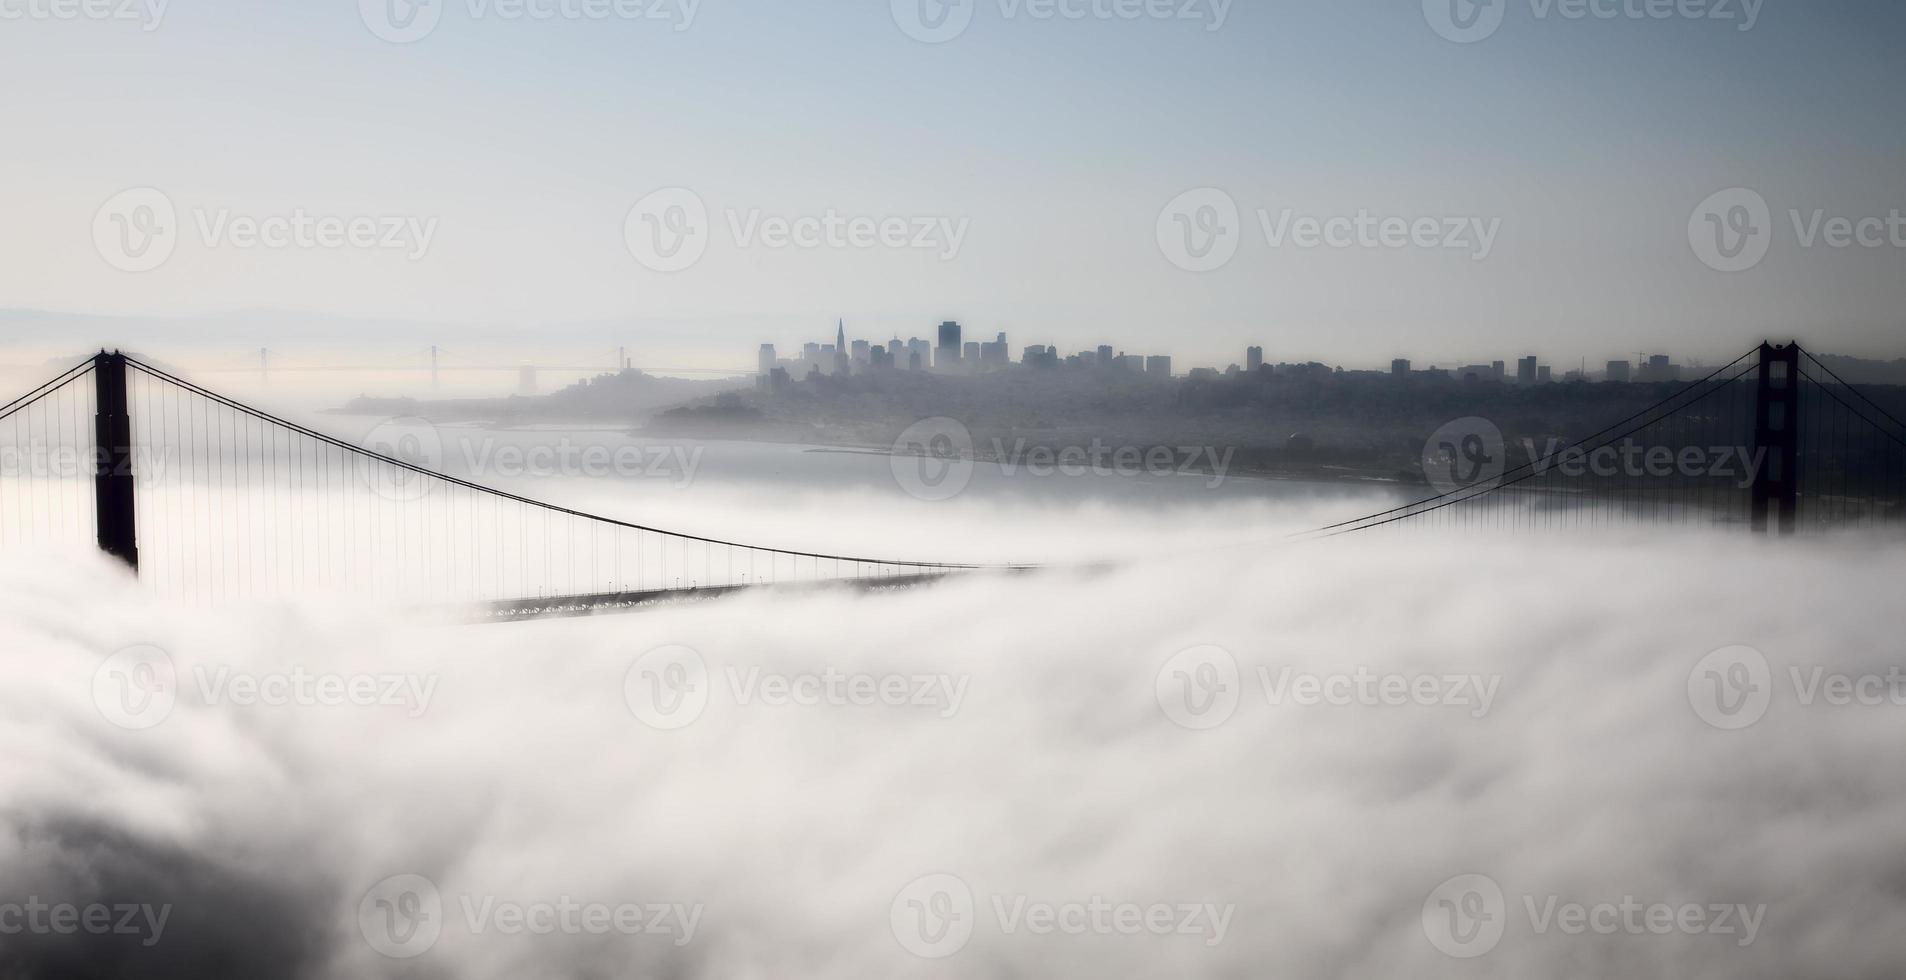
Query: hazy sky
(1034, 156)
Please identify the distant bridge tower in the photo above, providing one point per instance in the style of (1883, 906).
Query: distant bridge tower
(112, 464)
(1777, 432)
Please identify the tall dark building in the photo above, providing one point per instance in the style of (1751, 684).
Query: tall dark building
(1253, 359)
(1525, 370)
(947, 354)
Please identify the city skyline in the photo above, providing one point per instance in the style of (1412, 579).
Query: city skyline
(950, 353)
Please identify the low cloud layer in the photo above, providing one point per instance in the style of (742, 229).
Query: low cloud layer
(1275, 761)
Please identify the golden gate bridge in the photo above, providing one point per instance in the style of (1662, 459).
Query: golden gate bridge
(210, 499)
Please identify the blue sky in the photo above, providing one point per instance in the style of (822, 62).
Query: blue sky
(1055, 143)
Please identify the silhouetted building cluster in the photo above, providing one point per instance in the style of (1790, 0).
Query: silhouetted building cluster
(948, 352)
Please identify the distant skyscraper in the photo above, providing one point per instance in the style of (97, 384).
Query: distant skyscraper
(764, 361)
(946, 354)
(1105, 355)
(1618, 371)
(863, 352)
(1543, 375)
(1525, 371)
(1499, 369)
(969, 354)
(1400, 367)
(995, 354)
(1659, 368)
(1253, 359)
(1158, 366)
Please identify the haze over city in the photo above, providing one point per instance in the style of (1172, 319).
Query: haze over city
(952, 488)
